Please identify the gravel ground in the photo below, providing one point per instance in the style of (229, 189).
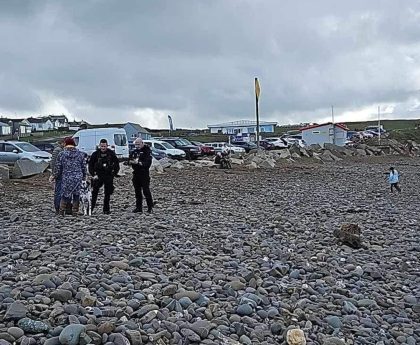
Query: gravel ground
(228, 257)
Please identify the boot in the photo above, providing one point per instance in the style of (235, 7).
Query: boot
(63, 206)
(75, 209)
(69, 208)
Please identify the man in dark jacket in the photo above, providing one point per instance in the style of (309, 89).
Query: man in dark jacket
(103, 166)
(141, 160)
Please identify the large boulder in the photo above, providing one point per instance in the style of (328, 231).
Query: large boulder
(178, 165)
(294, 149)
(328, 156)
(252, 165)
(285, 154)
(157, 166)
(26, 168)
(337, 150)
(237, 161)
(304, 152)
(315, 147)
(165, 162)
(360, 152)
(268, 163)
(4, 172)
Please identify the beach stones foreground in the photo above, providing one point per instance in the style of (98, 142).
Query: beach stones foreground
(247, 257)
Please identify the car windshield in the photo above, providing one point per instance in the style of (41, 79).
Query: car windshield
(167, 145)
(179, 143)
(27, 147)
(185, 141)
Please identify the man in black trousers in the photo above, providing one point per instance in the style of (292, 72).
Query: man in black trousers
(103, 167)
(141, 160)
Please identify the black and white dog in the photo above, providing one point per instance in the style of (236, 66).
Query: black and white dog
(86, 198)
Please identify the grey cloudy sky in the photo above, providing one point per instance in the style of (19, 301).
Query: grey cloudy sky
(115, 61)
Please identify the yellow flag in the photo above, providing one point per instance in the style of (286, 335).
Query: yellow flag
(257, 88)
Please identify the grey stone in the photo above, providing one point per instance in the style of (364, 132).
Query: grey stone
(71, 334)
(17, 310)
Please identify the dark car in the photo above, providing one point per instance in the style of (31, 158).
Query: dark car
(245, 145)
(266, 145)
(205, 149)
(47, 147)
(191, 151)
(156, 154)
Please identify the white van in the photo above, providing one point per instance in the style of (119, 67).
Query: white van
(87, 140)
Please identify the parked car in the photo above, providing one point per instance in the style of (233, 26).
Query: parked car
(299, 142)
(367, 134)
(87, 140)
(267, 145)
(157, 154)
(279, 143)
(375, 129)
(167, 148)
(226, 147)
(205, 150)
(11, 151)
(47, 147)
(191, 151)
(248, 146)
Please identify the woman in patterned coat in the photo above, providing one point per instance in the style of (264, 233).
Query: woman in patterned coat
(71, 169)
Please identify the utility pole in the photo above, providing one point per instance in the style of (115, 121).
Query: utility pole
(333, 123)
(379, 125)
(257, 96)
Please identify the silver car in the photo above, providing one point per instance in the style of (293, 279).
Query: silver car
(11, 151)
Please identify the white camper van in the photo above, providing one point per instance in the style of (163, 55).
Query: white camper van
(87, 140)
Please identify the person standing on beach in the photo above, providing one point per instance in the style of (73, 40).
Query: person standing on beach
(394, 179)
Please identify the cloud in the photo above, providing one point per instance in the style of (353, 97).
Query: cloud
(111, 61)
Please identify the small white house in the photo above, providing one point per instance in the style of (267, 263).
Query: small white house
(59, 121)
(242, 127)
(325, 133)
(40, 124)
(5, 129)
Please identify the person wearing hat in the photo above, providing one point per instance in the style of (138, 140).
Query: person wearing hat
(103, 167)
(71, 170)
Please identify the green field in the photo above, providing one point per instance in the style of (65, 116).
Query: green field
(389, 125)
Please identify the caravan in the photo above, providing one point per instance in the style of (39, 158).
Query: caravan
(87, 140)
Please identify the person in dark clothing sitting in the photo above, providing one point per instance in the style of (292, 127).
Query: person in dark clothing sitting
(103, 166)
(141, 160)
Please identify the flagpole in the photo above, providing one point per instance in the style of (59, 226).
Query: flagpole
(379, 125)
(257, 112)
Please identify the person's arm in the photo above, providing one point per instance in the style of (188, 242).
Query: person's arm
(92, 162)
(116, 163)
(54, 156)
(147, 159)
(58, 169)
(83, 165)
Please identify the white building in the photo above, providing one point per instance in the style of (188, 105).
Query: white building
(242, 127)
(40, 124)
(325, 133)
(5, 129)
(59, 121)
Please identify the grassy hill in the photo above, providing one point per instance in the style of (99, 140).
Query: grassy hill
(389, 125)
